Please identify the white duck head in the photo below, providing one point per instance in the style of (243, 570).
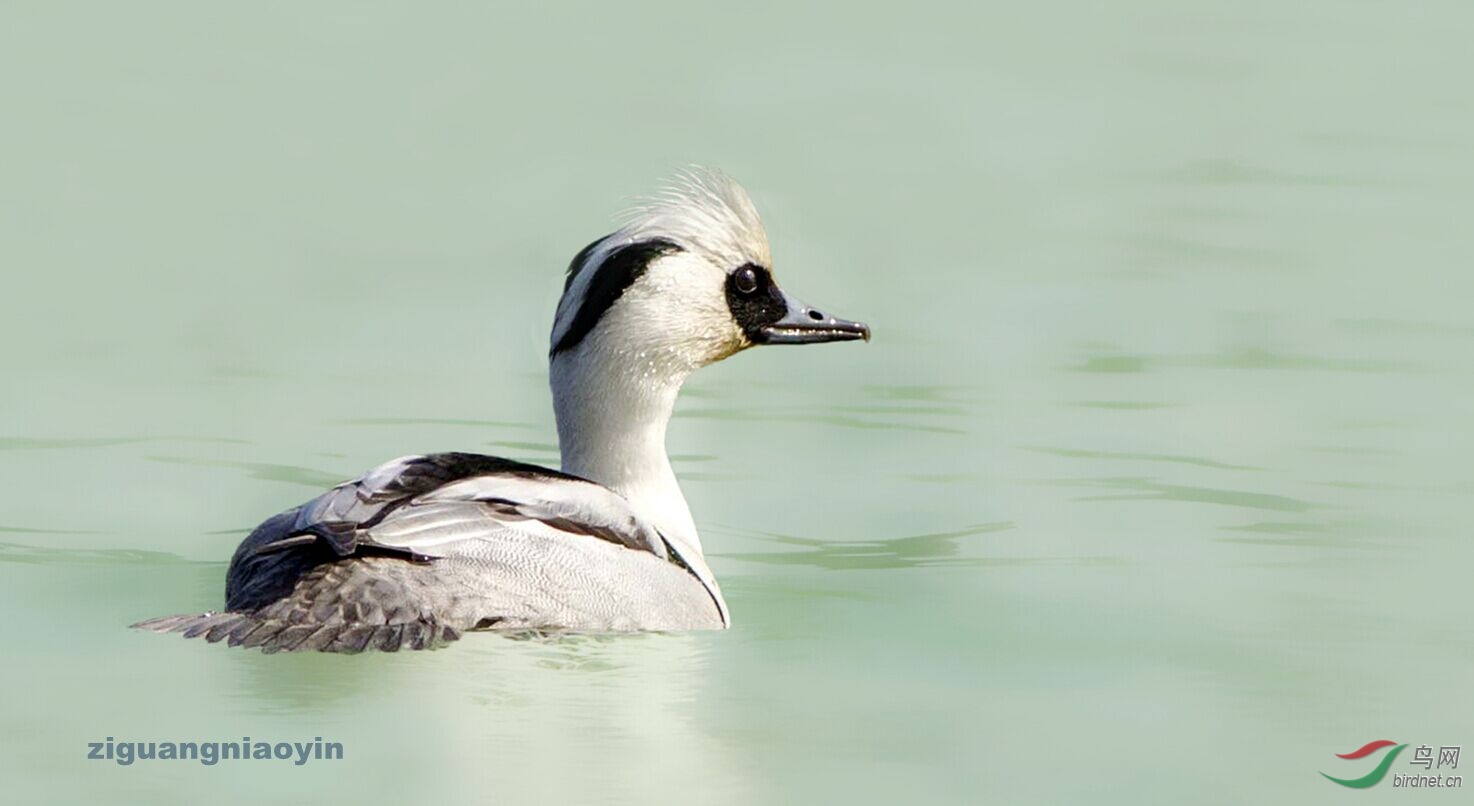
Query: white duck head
(686, 282)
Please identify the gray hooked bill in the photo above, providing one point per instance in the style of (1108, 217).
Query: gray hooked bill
(802, 324)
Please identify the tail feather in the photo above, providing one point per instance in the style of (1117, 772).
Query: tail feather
(352, 640)
(206, 623)
(278, 635)
(170, 623)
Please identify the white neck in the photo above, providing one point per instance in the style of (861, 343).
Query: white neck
(612, 407)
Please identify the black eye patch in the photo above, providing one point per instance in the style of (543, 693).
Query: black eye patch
(754, 299)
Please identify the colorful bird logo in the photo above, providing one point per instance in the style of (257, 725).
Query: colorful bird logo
(1371, 778)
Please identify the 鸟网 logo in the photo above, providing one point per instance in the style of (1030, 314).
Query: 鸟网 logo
(1377, 774)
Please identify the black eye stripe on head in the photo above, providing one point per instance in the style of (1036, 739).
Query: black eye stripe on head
(616, 272)
(754, 299)
(576, 265)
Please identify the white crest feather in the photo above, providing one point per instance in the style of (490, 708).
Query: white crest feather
(703, 210)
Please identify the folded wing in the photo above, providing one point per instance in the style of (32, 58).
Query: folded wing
(422, 508)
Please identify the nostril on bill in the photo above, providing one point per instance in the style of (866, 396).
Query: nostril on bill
(816, 316)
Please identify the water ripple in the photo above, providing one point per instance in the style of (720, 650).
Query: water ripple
(923, 393)
(25, 530)
(1121, 405)
(291, 474)
(1243, 358)
(540, 447)
(377, 421)
(1144, 489)
(46, 555)
(810, 416)
(1224, 172)
(63, 443)
(1141, 457)
(914, 551)
(1302, 535)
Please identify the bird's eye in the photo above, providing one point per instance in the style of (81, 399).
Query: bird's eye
(745, 280)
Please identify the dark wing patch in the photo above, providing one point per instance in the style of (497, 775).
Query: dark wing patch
(338, 518)
(421, 474)
(338, 524)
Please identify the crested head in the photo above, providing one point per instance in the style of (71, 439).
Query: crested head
(687, 280)
(703, 210)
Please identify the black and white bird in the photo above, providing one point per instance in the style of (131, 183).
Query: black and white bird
(423, 548)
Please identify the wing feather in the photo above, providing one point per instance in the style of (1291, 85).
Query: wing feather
(380, 562)
(420, 507)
